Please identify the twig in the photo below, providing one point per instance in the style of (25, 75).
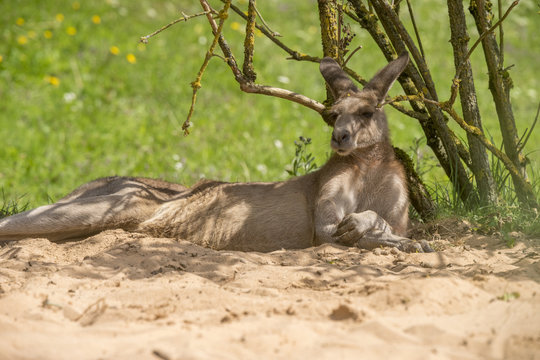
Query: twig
(196, 85)
(400, 98)
(411, 13)
(522, 144)
(144, 39)
(501, 38)
(274, 33)
(351, 55)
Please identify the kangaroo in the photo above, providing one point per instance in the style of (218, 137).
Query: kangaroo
(358, 198)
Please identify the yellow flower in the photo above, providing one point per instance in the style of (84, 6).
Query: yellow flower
(114, 50)
(59, 17)
(22, 39)
(235, 25)
(47, 34)
(20, 21)
(32, 34)
(131, 58)
(1, 58)
(70, 30)
(53, 80)
(96, 19)
(76, 5)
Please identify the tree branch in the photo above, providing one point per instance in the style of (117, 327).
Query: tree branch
(250, 87)
(144, 39)
(249, 42)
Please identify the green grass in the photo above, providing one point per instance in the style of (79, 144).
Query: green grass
(72, 111)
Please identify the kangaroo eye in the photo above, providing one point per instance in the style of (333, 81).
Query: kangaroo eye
(367, 114)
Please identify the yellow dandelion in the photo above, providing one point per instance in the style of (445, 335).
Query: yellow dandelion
(53, 80)
(71, 31)
(235, 25)
(96, 19)
(76, 5)
(32, 34)
(114, 50)
(1, 59)
(59, 17)
(21, 39)
(20, 21)
(47, 34)
(131, 58)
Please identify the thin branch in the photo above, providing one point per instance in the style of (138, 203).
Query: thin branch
(411, 13)
(501, 38)
(399, 98)
(274, 33)
(144, 39)
(196, 85)
(522, 144)
(351, 55)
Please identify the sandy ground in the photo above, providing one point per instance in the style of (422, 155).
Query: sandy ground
(119, 295)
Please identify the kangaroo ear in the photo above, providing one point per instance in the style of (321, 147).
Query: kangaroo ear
(338, 81)
(383, 80)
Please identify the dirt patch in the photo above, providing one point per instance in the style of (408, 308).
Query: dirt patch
(122, 295)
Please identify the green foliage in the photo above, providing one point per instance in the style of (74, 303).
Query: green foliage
(303, 162)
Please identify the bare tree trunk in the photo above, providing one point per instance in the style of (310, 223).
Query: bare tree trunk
(479, 160)
(500, 90)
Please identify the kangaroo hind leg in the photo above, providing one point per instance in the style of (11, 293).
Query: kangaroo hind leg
(102, 204)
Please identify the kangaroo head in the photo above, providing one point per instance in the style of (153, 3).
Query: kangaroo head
(359, 121)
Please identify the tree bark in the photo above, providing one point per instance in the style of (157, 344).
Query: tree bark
(418, 194)
(500, 91)
(479, 160)
(329, 18)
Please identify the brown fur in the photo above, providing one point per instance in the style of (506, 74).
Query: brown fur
(359, 197)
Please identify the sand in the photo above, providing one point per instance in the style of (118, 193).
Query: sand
(120, 295)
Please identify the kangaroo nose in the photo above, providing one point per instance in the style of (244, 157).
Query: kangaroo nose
(341, 136)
